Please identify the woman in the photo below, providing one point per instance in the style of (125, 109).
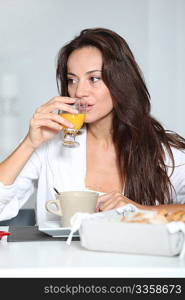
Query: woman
(124, 153)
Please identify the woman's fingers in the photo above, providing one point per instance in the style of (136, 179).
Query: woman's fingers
(102, 199)
(53, 117)
(57, 103)
(118, 202)
(60, 99)
(115, 201)
(46, 123)
(105, 197)
(111, 201)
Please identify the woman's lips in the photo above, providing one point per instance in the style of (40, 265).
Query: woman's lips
(89, 108)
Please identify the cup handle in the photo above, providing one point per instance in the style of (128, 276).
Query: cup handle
(57, 212)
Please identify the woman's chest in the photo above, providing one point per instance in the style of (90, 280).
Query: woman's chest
(102, 172)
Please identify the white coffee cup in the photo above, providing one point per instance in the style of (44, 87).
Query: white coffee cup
(70, 202)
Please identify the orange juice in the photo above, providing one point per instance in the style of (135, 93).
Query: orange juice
(76, 119)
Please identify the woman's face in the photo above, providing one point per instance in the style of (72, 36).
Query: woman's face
(84, 74)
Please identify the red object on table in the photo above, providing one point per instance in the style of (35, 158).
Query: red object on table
(3, 233)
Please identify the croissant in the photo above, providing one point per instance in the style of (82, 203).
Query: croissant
(159, 217)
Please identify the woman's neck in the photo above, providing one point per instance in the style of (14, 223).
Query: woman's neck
(101, 131)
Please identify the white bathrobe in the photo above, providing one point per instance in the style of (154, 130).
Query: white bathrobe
(53, 165)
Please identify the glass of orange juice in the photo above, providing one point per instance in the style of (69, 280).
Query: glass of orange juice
(77, 120)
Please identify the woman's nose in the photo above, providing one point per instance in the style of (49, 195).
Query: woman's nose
(81, 90)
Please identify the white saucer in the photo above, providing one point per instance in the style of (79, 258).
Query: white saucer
(53, 229)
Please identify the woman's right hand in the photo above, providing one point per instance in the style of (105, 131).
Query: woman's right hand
(45, 124)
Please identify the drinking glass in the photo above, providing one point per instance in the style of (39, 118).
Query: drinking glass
(77, 120)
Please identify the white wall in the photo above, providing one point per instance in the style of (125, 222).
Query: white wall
(32, 32)
(166, 62)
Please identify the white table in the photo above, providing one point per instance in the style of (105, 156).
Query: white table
(56, 259)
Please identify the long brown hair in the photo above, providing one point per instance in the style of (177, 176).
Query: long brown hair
(140, 140)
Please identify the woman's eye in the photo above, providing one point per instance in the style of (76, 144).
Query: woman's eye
(71, 80)
(95, 79)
